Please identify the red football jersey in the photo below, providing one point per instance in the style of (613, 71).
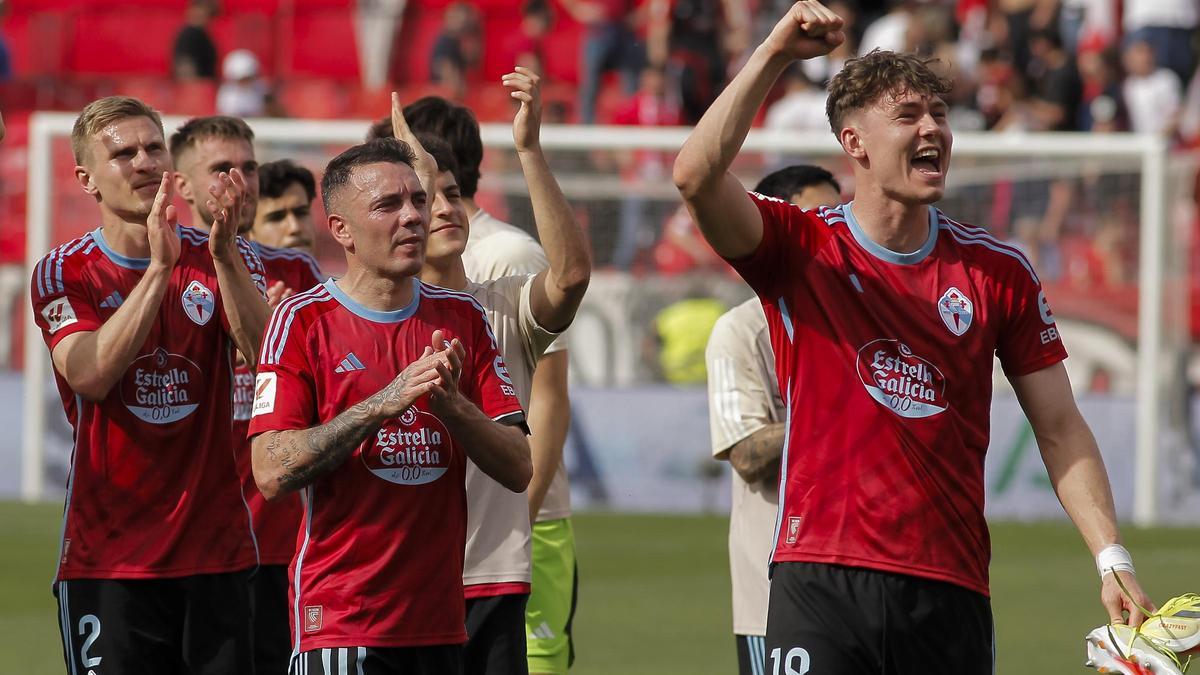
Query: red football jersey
(153, 488)
(885, 361)
(275, 525)
(379, 560)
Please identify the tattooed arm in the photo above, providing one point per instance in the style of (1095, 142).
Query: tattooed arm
(286, 461)
(756, 457)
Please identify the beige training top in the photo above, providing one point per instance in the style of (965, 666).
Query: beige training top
(743, 397)
(498, 544)
(496, 249)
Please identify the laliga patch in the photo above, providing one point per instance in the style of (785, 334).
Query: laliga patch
(59, 314)
(199, 303)
(956, 310)
(264, 394)
(313, 618)
(793, 531)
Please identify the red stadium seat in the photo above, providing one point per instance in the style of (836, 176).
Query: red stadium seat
(413, 47)
(312, 98)
(250, 30)
(323, 45)
(121, 42)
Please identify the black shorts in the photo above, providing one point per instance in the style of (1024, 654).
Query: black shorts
(496, 636)
(272, 620)
(198, 624)
(752, 654)
(837, 620)
(428, 660)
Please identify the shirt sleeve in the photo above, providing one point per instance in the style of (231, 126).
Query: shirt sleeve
(537, 338)
(511, 255)
(1029, 340)
(791, 237)
(740, 403)
(284, 388)
(62, 303)
(489, 385)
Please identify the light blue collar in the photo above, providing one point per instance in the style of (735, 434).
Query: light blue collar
(888, 255)
(378, 316)
(117, 258)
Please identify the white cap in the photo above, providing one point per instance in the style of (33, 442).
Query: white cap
(240, 64)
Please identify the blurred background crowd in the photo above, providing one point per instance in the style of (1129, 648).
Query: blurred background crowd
(1018, 65)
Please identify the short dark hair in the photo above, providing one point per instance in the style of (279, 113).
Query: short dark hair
(791, 180)
(450, 122)
(380, 150)
(864, 80)
(274, 178)
(442, 154)
(213, 126)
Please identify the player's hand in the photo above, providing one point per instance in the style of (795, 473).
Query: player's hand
(445, 392)
(277, 293)
(527, 123)
(426, 165)
(1117, 603)
(229, 205)
(161, 224)
(418, 379)
(808, 30)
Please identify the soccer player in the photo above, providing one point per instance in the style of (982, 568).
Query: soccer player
(497, 249)
(885, 316)
(203, 148)
(284, 217)
(527, 311)
(141, 317)
(746, 414)
(373, 391)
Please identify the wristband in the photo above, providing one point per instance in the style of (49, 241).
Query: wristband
(1114, 558)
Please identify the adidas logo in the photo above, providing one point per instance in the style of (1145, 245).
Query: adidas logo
(542, 632)
(113, 300)
(349, 364)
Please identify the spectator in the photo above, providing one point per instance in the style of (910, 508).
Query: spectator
(526, 47)
(889, 31)
(243, 93)
(195, 54)
(610, 44)
(1152, 94)
(1055, 82)
(456, 51)
(802, 107)
(683, 249)
(696, 39)
(1103, 108)
(650, 106)
(1167, 27)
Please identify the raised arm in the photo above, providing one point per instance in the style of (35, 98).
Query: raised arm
(425, 166)
(558, 289)
(92, 362)
(1077, 472)
(286, 461)
(715, 197)
(245, 306)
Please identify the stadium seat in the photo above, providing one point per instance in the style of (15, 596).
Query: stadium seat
(322, 44)
(314, 98)
(413, 46)
(252, 30)
(100, 42)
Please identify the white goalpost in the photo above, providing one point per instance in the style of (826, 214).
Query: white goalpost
(976, 157)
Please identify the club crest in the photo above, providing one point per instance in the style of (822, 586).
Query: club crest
(198, 303)
(956, 310)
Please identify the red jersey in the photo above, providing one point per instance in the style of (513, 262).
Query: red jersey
(275, 525)
(379, 560)
(153, 489)
(885, 361)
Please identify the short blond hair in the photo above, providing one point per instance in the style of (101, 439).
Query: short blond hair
(102, 112)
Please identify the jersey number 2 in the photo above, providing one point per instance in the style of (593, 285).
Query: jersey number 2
(790, 665)
(89, 625)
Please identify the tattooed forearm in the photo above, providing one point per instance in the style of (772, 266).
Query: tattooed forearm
(309, 454)
(756, 457)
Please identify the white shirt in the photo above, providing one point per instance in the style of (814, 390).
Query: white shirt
(1152, 100)
(1164, 13)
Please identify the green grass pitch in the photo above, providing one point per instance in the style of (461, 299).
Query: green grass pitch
(654, 595)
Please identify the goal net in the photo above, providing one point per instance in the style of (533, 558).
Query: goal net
(1106, 219)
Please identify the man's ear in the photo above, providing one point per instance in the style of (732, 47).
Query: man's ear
(84, 176)
(340, 230)
(852, 142)
(184, 187)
